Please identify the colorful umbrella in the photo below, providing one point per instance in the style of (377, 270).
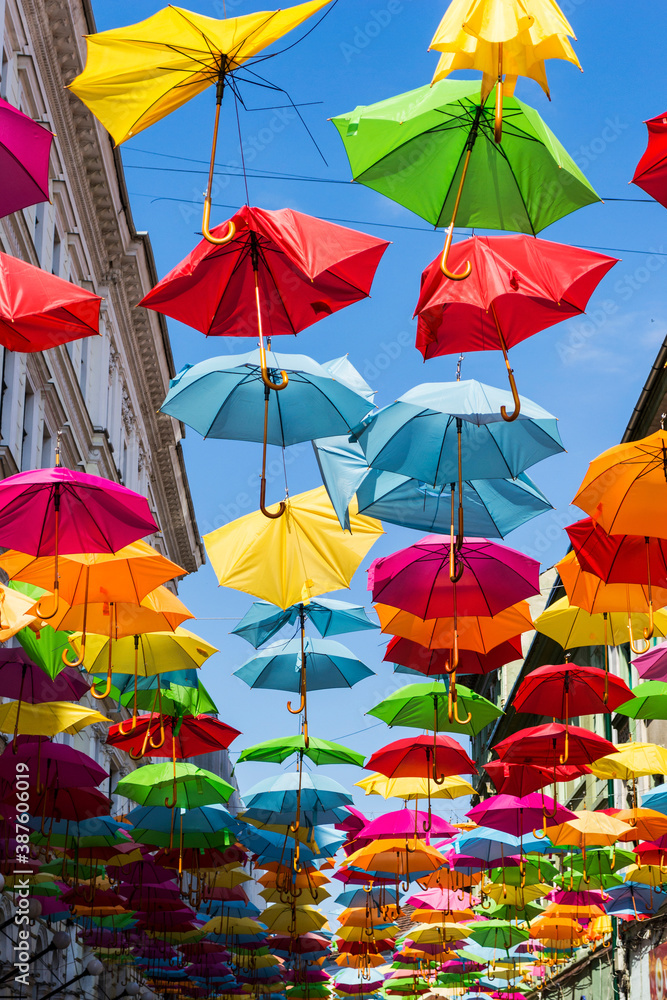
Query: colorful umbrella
(434, 662)
(568, 690)
(511, 39)
(445, 133)
(427, 706)
(648, 701)
(545, 746)
(310, 552)
(480, 634)
(25, 147)
(414, 788)
(572, 627)
(522, 779)
(192, 786)
(651, 171)
(51, 765)
(263, 620)
(651, 665)
(492, 507)
(319, 751)
(134, 76)
(517, 816)
(223, 397)
(47, 718)
(180, 736)
(520, 286)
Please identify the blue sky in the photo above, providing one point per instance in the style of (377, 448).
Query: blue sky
(589, 371)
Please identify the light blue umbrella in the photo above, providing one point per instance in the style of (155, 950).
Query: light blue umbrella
(378, 896)
(635, 896)
(263, 620)
(204, 826)
(224, 398)
(492, 507)
(488, 845)
(328, 665)
(419, 434)
(656, 799)
(282, 795)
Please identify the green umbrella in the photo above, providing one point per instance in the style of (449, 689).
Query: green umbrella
(425, 706)
(600, 861)
(528, 874)
(191, 786)
(417, 149)
(319, 751)
(502, 911)
(498, 934)
(649, 702)
(578, 882)
(46, 647)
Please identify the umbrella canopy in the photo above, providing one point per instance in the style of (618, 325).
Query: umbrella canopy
(96, 577)
(588, 591)
(518, 287)
(648, 701)
(517, 816)
(414, 758)
(309, 552)
(572, 627)
(328, 664)
(414, 788)
(480, 634)
(279, 795)
(52, 765)
(224, 398)
(158, 611)
(418, 435)
(425, 706)
(93, 514)
(434, 662)
(39, 310)
(546, 745)
(624, 488)
(25, 147)
(568, 690)
(417, 579)
(157, 652)
(184, 736)
(396, 856)
(263, 620)
(522, 779)
(433, 128)
(492, 507)
(192, 786)
(307, 269)
(319, 751)
(47, 718)
(588, 829)
(651, 172)
(22, 679)
(405, 823)
(619, 558)
(631, 760)
(652, 665)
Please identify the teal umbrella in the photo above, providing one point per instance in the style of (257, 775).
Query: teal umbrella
(328, 665)
(263, 620)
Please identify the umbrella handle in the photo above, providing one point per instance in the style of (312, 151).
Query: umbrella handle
(467, 269)
(144, 747)
(78, 662)
(648, 632)
(172, 804)
(273, 515)
(163, 735)
(541, 834)
(498, 122)
(564, 757)
(206, 232)
(105, 693)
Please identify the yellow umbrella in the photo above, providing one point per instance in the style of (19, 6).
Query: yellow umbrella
(309, 895)
(293, 920)
(588, 829)
(47, 718)
(159, 652)
(136, 75)
(294, 558)
(648, 874)
(514, 895)
(502, 37)
(572, 627)
(633, 760)
(414, 788)
(15, 613)
(231, 924)
(349, 932)
(427, 934)
(228, 879)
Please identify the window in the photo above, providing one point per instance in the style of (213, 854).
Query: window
(56, 260)
(28, 428)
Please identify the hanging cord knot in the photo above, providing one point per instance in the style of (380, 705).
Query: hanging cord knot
(458, 367)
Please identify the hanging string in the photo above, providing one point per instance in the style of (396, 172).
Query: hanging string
(238, 126)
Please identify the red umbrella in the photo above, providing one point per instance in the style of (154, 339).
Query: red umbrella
(651, 172)
(522, 779)
(490, 578)
(38, 310)
(47, 511)
(519, 285)
(546, 746)
(434, 662)
(568, 690)
(25, 147)
(415, 758)
(180, 736)
(279, 273)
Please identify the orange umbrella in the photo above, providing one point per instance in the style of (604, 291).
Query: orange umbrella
(556, 929)
(476, 633)
(647, 824)
(159, 611)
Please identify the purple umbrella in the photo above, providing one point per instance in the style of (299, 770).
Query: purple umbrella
(22, 680)
(406, 823)
(652, 666)
(51, 765)
(24, 160)
(516, 816)
(589, 897)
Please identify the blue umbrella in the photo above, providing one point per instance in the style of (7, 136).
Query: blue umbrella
(488, 845)
(263, 620)
(453, 432)
(210, 826)
(656, 799)
(492, 507)
(328, 665)
(634, 897)
(377, 897)
(283, 795)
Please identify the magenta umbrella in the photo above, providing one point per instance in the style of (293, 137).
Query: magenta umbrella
(406, 823)
(589, 897)
(489, 578)
(24, 160)
(23, 680)
(51, 765)
(517, 816)
(442, 899)
(47, 511)
(652, 665)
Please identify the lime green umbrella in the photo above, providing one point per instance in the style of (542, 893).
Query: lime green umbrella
(502, 911)
(46, 648)
(527, 874)
(425, 706)
(418, 148)
(649, 702)
(319, 751)
(603, 861)
(190, 786)
(578, 882)
(498, 934)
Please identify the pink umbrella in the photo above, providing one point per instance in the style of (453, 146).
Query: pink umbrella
(489, 578)
(47, 511)
(652, 665)
(517, 816)
(441, 899)
(406, 823)
(588, 897)
(24, 160)
(51, 765)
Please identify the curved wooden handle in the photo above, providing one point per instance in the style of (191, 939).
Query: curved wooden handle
(467, 268)
(206, 232)
(648, 632)
(105, 693)
(509, 417)
(276, 386)
(302, 705)
(273, 515)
